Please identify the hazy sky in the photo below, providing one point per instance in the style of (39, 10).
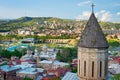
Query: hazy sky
(105, 10)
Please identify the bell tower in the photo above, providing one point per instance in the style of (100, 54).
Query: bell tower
(92, 51)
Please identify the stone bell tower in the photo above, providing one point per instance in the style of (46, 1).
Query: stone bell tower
(92, 52)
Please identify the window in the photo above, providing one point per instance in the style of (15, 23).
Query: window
(92, 68)
(100, 68)
(79, 67)
(84, 68)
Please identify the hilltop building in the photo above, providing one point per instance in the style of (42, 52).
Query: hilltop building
(92, 52)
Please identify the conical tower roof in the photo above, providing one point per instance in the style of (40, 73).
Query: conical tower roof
(92, 36)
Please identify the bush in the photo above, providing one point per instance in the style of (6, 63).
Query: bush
(27, 79)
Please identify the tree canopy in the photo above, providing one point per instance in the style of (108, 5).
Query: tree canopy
(67, 54)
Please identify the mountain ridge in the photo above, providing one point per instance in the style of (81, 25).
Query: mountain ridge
(47, 22)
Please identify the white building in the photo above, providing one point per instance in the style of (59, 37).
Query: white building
(25, 32)
(25, 65)
(114, 69)
(28, 41)
(32, 73)
(7, 68)
(53, 64)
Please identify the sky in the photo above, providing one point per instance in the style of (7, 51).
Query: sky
(105, 10)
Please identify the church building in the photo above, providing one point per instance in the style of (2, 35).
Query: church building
(92, 51)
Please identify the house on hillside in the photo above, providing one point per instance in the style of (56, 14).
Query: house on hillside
(4, 32)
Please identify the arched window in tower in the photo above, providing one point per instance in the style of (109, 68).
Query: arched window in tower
(84, 68)
(100, 68)
(79, 66)
(92, 68)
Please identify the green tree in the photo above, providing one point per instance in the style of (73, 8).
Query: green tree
(0, 50)
(113, 43)
(67, 54)
(116, 77)
(74, 70)
(8, 54)
(27, 79)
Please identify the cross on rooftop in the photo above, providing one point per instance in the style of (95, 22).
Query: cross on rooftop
(92, 7)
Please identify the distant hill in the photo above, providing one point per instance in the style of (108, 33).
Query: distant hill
(49, 22)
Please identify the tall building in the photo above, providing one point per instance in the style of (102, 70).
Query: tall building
(92, 52)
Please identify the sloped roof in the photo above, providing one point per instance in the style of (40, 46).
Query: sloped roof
(70, 76)
(92, 36)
